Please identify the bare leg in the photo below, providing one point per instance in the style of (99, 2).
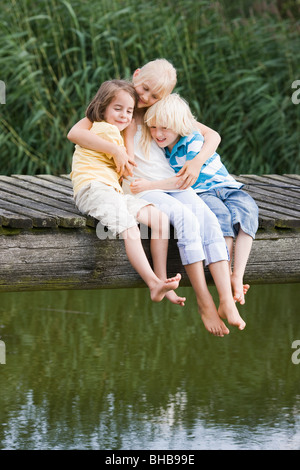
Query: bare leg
(227, 308)
(160, 269)
(138, 259)
(160, 226)
(237, 288)
(206, 306)
(243, 245)
(229, 243)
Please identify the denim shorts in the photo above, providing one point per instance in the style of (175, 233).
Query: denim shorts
(234, 209)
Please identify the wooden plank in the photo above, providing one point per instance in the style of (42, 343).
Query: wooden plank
(274, 187)
(37, 192)
(283, 217)
(77, 259)
(265, 219)
(279, 199)
(45, 184)
(292, 179)
(280, 220)
(280, 210)
(63, 218)
(13, 220)
(56, 180)
(289, 182)
(39, 219)
(37, 189)
(260, 193)
(293, 176)
(39, 197)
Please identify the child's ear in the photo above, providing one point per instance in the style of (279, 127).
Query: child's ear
(136, 73)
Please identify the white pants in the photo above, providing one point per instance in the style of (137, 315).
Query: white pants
(196, 227)
(115, 210)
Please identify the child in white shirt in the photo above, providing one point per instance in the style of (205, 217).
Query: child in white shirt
(98, 193)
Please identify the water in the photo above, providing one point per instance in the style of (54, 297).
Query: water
(111, 370)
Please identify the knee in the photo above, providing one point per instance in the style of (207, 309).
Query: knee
(131, 233)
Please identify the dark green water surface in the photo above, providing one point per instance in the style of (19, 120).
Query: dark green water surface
(111, 370)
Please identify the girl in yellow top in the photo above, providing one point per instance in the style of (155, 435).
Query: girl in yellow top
(98, 193)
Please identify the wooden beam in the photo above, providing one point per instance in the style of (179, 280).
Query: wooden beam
(56, 259)
(46, 244)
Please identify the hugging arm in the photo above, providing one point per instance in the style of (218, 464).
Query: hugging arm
(191, 169)
(142, 184)
(80, 134)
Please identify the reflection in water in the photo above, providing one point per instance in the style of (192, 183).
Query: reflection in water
(111, 370)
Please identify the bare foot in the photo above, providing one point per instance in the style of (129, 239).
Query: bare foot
(212, 321)
(239, 290)
(174, 298)
(227, 310)
(160, 288)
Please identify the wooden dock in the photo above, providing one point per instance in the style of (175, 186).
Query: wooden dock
(46, 244)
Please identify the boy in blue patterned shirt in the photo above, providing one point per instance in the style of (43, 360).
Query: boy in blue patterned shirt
(172, 126)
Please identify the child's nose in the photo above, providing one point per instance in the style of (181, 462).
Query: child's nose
(145, 96)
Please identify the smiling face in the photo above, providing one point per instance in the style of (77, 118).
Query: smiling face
(120, 110)
(164, 137)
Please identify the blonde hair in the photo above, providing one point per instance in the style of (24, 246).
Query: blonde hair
(161, 73)
(172, 112)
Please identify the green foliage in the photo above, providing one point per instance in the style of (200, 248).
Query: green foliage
(235, 66)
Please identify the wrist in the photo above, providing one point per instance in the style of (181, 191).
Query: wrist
(113, 150)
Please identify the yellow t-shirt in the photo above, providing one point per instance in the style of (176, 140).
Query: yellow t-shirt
(89, 165)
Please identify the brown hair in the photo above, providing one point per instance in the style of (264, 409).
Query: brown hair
(106, 93)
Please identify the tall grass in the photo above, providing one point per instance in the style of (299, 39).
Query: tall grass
(235, 67)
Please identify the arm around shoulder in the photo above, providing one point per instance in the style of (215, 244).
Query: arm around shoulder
(78, 132)
(191, 169)
(210, 135)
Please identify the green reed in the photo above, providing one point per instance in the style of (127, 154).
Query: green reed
(235, 67)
